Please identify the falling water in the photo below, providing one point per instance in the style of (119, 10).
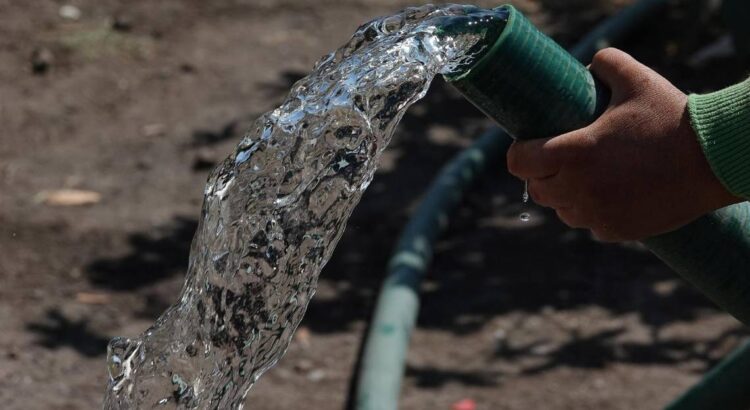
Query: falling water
(275, 208)
(525, 216)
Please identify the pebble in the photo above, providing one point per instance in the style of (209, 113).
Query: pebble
(187, 68)
(543, 349)
(153, 130)
(303, 337)
(303, 366)
(465, 404)
(92, 298)
(122, 23)
(70, 12)
(41, 60)
(68, 197)
(500, 334)
(316, 375)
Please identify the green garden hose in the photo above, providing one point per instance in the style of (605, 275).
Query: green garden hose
(384, 355)
(725, 387)
(529, 84)
(715, 243)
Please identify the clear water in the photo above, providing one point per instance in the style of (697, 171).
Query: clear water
(525, 216)
(274, 210)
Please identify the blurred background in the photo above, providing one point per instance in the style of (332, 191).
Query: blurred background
(112, 113)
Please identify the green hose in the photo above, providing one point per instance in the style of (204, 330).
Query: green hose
(384, 354)
(686, 250)
(725, 387)
(529, 84)
(713, 254)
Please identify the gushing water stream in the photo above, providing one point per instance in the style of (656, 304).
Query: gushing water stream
(274, 210)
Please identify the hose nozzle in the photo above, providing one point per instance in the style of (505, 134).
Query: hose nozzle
(525, 81)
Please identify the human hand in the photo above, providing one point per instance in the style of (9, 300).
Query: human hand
(636, 172)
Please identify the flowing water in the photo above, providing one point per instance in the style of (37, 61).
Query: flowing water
(275, 208)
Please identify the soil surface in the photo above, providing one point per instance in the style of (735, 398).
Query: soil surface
(136, 101)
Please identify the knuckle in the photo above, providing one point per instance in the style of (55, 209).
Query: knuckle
(579, 147)
(606, 56)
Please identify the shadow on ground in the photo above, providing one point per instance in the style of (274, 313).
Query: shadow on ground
(57, 331)
(153, 256)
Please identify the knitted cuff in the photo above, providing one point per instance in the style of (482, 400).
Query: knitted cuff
(722, 122)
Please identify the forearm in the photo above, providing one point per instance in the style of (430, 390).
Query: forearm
(722, 122)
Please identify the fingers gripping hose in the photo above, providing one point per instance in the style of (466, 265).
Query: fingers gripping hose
(535, 89)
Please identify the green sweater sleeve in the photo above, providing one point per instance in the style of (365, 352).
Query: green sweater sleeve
(722, 122)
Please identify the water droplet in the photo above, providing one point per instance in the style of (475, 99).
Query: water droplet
(525, 196)
(524, 217)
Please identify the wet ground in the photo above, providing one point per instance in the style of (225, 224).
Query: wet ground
(134, 101)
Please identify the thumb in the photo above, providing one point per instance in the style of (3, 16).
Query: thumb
(618, 71)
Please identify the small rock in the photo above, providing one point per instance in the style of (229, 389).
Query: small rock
(153, 130)
(122, 23)
(41, 60)
(92, 298)
(68, 197)
(316, 375)
(187, 68)
(303, 336)
(70, 12)
(464, 404)
(543, 349)
(500, 334)
(303, 366)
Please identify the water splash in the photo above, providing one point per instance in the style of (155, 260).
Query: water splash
(274, 210)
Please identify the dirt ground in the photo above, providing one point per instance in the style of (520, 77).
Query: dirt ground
(136, 100)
